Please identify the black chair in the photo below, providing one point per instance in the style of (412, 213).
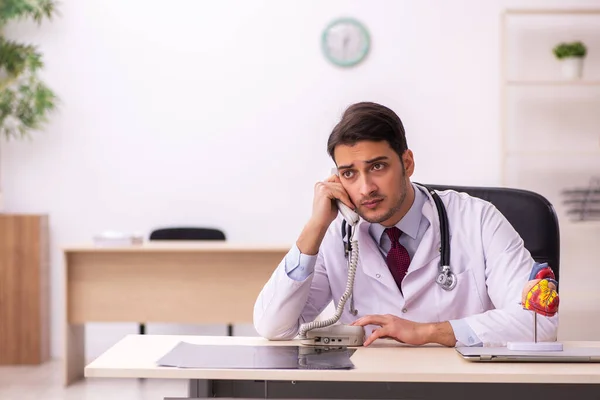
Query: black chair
(187, 233)
(532, 216)
(184, 233)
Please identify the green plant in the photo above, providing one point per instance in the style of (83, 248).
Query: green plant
(573, 49)
(25, 101)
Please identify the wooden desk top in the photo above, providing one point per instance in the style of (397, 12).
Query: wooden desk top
(181, 246)
(385, 361)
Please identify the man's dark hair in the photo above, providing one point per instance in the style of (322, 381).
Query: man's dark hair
(368, 121)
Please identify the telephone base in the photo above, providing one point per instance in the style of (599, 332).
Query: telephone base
(335, 335)
(535, 346)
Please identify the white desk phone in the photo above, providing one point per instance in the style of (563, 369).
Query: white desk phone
(325, 333)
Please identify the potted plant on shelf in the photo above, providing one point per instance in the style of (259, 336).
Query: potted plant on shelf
(571, 56)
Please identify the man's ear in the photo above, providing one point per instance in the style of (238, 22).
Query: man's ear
(409, 162)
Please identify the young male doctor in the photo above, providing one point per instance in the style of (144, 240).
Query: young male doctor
(395, 290)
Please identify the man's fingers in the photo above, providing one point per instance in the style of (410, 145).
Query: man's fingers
(339, 193)
(333, 179)
(370, 320)
(377, 333)
(333, 189)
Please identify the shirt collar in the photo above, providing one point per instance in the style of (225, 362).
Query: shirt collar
(409, 224)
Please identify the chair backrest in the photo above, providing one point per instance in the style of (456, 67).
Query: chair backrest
(530, 213)
(187, 233)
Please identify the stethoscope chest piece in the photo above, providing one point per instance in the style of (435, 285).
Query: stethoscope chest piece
(446, 278)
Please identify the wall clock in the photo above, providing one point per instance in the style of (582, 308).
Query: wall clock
(345, 42)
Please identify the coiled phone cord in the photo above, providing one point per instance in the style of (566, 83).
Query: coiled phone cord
(304, 328)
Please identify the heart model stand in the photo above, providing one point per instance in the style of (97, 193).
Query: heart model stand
(539, 296)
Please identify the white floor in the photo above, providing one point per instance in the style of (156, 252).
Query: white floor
(45, 382)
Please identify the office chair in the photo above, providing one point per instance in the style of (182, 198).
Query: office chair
(187, 233)
(181, 233)
(532, 216)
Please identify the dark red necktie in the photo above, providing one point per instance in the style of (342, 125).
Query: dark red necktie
(398, 259)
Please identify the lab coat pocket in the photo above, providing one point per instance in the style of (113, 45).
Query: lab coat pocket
(464, 300)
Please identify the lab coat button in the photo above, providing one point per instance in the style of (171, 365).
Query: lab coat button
(378, 276)
(404, 310)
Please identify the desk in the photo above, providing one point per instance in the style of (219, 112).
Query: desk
(384, 370)
(167, 282)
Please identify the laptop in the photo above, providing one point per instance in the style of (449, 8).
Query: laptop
(503, 354)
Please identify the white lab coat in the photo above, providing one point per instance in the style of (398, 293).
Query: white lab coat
(487, 256)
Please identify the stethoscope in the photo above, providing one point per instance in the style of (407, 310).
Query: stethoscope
(446, 278)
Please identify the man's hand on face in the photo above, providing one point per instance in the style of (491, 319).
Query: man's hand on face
(405, 331)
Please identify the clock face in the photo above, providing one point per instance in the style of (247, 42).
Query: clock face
(345, 42)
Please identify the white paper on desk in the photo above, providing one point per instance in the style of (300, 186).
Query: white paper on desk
(187, 355)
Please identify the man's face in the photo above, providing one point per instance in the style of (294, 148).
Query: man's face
(376, 180)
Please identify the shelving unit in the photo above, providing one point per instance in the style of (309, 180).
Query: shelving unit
(536, 124)
(551, 141)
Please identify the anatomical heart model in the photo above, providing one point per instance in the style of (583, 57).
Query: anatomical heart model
(539, 294)
(541, 297)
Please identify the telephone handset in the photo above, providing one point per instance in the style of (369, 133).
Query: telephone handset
(349, 215)
(325, 333)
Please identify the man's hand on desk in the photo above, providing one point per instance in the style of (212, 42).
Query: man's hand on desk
(409, 332)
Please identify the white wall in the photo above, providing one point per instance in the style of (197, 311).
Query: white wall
(197, 112)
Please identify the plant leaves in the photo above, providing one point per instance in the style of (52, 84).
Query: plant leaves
(573, 49)
(25, 101)
(21, 9)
